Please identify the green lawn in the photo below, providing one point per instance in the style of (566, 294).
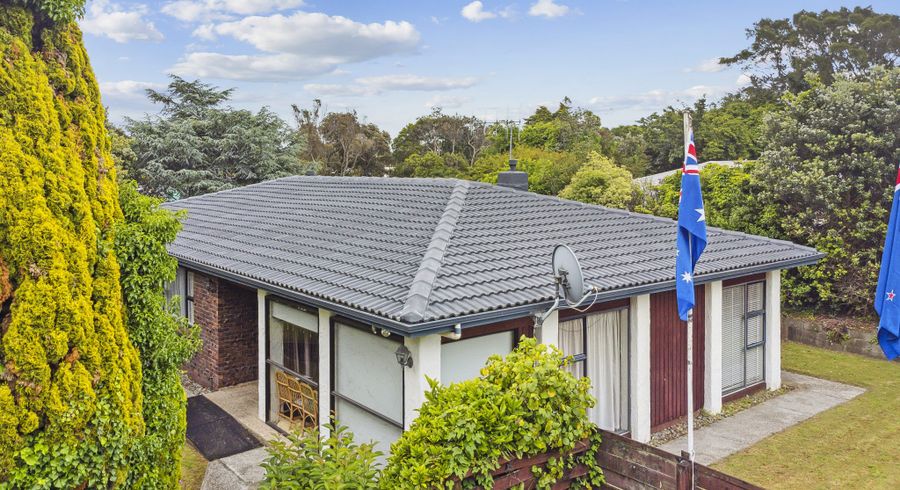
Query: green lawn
(854, 445)
(193, 467)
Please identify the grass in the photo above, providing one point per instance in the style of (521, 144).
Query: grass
(854, 445)
(193, 467)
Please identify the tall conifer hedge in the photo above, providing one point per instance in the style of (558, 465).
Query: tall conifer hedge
(71, 399)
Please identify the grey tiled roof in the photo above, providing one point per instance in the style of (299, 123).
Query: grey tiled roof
(414, 251)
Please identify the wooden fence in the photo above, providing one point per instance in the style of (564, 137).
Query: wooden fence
(627, 465)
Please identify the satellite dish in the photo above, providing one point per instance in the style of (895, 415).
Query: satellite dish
(568, 274)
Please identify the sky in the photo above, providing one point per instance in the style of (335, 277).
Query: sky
(395, 61)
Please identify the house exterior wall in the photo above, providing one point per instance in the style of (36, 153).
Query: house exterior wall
(227, 315)
(668, 358)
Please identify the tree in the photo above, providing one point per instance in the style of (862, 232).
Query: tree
(569, 128)
(732, 129)
(441, 133)
(826, 43)
(548, 171)
(630, 149)
(828, 175)
(601, 182)
(70, 403)
(196, 145)
(432, 164)
(337, 143)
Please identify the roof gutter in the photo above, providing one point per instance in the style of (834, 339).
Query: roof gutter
(449, 324)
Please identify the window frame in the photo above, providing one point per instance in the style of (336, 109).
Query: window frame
(333, 360)
(583, 357)
(745, 316)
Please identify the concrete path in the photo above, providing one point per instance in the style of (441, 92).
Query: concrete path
(728, 436)
(238, 472)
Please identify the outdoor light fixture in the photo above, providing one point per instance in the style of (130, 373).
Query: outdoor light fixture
(404, 356)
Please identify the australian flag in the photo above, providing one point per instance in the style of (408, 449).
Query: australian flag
(886, 302)
(691, 230)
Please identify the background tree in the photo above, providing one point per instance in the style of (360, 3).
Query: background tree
(828, 175)
(70, 403)
(569, 128)
(441, 133)
(431, 164)
(783, 51)
(197, 145)
(548, 171)
(601, 182)
(354, 148)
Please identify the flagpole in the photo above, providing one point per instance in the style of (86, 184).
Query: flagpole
(690, 335)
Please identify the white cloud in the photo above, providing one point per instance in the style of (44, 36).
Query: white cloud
(110, 20)
(548, 8)
(126, 89)
(655, 100)
(446, 102)
(300, 45)
(210, 10)
(387, 83)
(475, 12)
(743, 80)
(711, 65)
(205, 31)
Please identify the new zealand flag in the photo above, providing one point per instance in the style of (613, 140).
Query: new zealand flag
(691, 229)
(886, 302)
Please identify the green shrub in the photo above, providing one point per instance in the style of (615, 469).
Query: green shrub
(521, 406)
(310, 462)
(162, 336)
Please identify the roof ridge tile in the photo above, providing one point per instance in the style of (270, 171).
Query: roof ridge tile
(416, 303)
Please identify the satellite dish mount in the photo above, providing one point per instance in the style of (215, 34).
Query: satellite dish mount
(569, 280)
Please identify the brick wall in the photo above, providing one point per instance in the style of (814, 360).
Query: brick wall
(227, 316)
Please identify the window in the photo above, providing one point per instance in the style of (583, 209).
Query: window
(599, 345)
(463, 359)
(292, 359)
(183, 288)
(368, 384)
(743, 336)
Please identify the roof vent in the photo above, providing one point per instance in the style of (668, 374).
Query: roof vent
(513, 178)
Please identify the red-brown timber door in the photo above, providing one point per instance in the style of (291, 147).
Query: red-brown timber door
(668, 358)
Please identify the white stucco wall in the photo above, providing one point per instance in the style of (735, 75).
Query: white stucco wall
(712, 376)
(773, 330)
(426, 355)
(324, 371)
(261, 353)
(640, 367)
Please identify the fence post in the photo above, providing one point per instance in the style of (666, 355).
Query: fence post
(684, 472)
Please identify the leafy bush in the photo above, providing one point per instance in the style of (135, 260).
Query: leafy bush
(521, 406)
(600, 181)
(163, 338)
(311, 462)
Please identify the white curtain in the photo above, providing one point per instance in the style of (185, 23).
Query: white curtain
(571, 342)
(607, 366)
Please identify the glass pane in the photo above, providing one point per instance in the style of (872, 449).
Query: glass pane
(607, 366)
(367, 372)
(301, 351)
(755, 362)
(755, 325)
(463, 359)
(732, 337)
(571, 342)
(367, 427)
(293, 403)
(755, 296)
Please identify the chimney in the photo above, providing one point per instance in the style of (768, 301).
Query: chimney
(513, 178)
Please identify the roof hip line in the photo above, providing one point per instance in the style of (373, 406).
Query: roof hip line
(420, 290)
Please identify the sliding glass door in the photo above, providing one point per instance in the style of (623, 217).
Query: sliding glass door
(292, 363)
(599, 345)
